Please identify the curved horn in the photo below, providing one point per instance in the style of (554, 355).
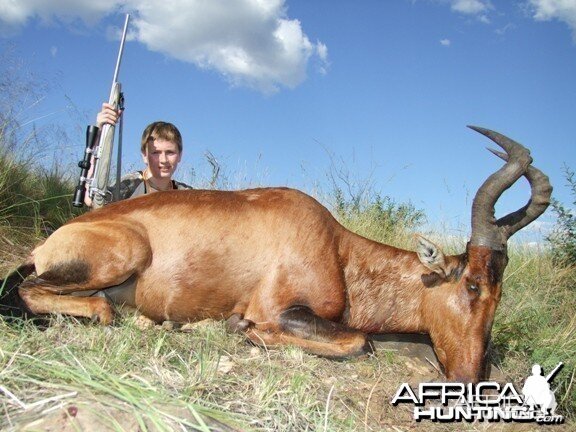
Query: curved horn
(485, 229)
(541, 191)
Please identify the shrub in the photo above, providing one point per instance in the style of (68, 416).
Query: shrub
(384, 216)
(563, 236)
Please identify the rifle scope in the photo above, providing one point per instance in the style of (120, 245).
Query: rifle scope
(84, 164)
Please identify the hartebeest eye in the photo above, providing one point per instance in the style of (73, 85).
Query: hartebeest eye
(473, 288)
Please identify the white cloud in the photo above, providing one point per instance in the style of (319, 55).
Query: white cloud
(17, 12)
(322, 51)
(478, 9)
(503, 30)
(562, 10)
(251, 42)
(484, 19)
(538, 226)
(445, 42)
(470, 7)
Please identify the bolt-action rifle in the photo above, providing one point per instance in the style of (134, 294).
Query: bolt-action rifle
(100, 154)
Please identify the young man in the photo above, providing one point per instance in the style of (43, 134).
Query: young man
(161, 150)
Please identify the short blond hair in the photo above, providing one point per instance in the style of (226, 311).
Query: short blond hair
(161, 130)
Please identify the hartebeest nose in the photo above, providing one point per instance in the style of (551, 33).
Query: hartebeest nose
(466, 374)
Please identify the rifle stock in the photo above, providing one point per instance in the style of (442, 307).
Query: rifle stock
(99, 186)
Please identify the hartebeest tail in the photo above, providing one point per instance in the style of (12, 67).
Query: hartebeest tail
(281, 269)
(11, 305)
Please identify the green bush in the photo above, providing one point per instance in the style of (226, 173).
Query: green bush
(563, 237)
(379, 218)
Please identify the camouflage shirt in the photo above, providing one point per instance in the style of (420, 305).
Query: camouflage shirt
(132, 185)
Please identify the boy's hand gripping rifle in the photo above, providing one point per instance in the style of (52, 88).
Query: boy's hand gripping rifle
(101, 154)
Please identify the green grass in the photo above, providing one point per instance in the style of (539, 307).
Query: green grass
(131, 371)
(34, 200)
(536, 321)
(166, 378)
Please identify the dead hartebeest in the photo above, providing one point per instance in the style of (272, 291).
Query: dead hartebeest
(280, 268)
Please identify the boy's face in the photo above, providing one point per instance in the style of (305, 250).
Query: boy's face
(162, 158)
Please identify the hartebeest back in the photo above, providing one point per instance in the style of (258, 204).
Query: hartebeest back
(280, 268)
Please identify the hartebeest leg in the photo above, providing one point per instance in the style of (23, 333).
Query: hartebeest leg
(300, 326)
(43, 301)
(69, 263)
(47, 293)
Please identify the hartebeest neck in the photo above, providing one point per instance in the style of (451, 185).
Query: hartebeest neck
(384, 287)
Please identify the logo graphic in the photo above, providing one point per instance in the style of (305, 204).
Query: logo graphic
(537, 391)
(486, 401)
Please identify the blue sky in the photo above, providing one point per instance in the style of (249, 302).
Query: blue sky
(280, 91)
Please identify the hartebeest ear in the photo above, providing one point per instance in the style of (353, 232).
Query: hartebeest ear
(431, 256)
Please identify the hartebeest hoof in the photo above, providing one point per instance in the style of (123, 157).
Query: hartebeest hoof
(237, 324)
(103, 313)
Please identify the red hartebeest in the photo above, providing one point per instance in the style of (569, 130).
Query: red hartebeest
(279, 267)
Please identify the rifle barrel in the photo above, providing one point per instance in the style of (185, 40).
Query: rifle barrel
(120, 52)
(554, 371)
